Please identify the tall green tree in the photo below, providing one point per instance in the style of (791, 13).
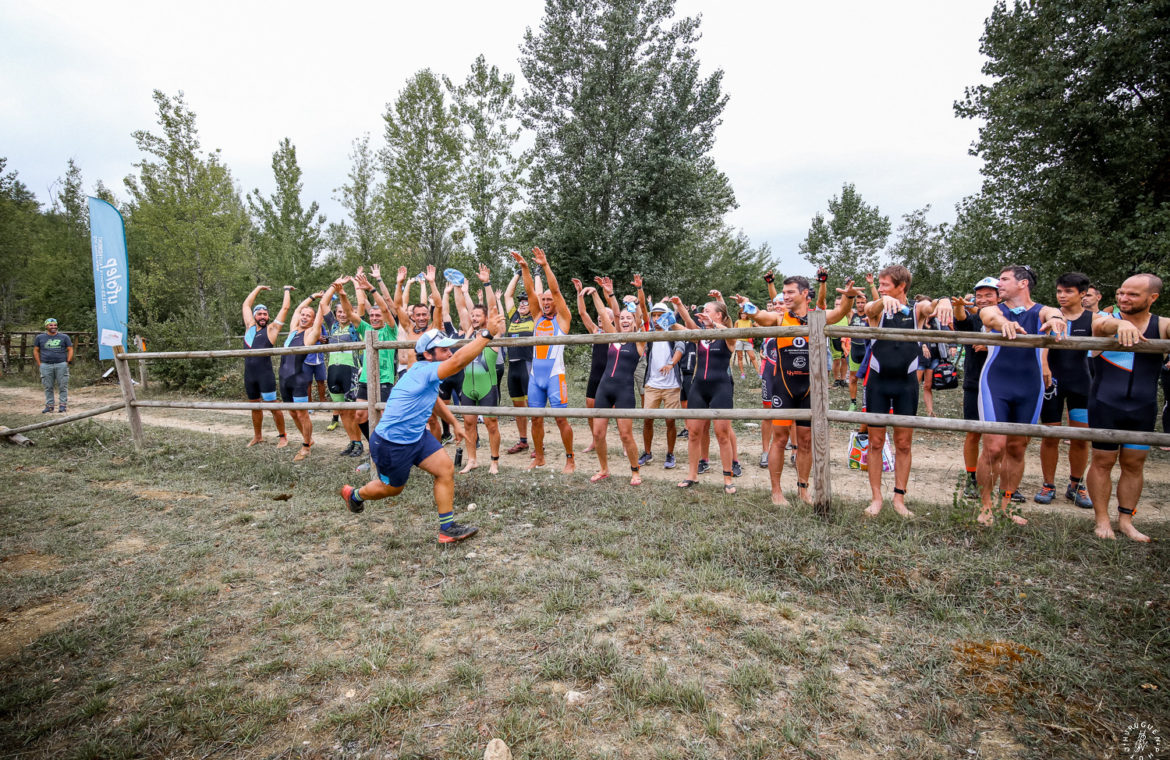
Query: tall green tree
(60, 274)
(1074, 139)
(421, 197)
(623, 121)
(361, 239)
(488, 111)
(924, 249)
(19, 211)
(185, 228)
(288, 237)
(849, 241)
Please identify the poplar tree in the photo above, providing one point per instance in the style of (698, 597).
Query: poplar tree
(288, 237)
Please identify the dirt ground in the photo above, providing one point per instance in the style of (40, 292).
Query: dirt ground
(937, 463)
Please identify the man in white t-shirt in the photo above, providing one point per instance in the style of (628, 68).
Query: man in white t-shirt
(663, 386)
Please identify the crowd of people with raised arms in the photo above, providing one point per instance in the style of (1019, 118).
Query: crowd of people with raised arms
(1002, 383)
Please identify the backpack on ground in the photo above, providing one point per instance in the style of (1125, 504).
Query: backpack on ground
(946, 376)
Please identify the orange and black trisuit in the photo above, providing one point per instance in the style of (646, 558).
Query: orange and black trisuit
(790, 383)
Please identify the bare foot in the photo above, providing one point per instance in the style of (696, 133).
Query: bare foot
(901, 509)
(589, 448)
(803, 493)
(1104, 530)
(1019, 519)
(303, 453)
(537, 461)
(259, 439)
(1132, 532)
(282, 441)
(635, 479)
(599, 476)
(778, 499)
(570, 466)
(874, 508)
(471, 465)
(985, 518)
(494, 469)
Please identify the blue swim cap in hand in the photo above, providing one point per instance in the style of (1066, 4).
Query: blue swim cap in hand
(455, 277)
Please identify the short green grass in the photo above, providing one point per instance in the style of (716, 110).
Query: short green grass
(186, 612)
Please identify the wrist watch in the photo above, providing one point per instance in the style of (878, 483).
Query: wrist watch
(485, 333)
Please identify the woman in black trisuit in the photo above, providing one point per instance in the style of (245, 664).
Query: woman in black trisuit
(615, 389)
(712, 388)
(597, 361)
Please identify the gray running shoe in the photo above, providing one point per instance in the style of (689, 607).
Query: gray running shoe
(764, 460)
(646, 457)
(704, 466)
(1080, 496)
(669, 462)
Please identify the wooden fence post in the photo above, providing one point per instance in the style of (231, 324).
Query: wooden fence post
(373, 392)
(818, 371)
(141, 346)
(128, 396)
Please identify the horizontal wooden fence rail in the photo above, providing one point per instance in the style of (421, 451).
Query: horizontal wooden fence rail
(1073, 343)
(62, 420)
(950, 424)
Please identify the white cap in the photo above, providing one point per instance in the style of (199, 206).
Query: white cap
(987, 282)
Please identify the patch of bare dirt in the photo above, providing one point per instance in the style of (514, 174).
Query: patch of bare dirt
(19, 628)
(29, 562)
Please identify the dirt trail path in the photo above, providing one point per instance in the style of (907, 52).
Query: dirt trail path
(937, 464)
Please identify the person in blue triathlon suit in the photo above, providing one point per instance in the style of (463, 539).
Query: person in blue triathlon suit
(401, 440)
(547, 386)
(259, 380)
(294, 381)
(891, 383)
(1124, 396)
(1066, 385)
(1011, 387)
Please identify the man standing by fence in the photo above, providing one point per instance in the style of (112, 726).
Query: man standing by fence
(259, 379)
(1011, 388)
(891, 385)
(53, 353)
(1124, 396)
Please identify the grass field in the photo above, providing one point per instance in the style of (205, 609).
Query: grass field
(201, 600)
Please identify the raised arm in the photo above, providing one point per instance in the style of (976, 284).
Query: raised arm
(760, 317)
(274, 325)
(823, 289)
(350, 312)
(437, 316)
(684, 314)
(463, 304)
(770, 278)
(607, 322)
(470, 350)
(376, 272)
(849, 295)
(510, 292)
(313, 334)
(564, 316)
(529, 283)
(590, 325)
(249, 320)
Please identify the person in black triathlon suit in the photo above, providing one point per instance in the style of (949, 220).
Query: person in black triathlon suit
(1124, 396)
(259, 381)
(599, 351)
(1066, 384)
(615, 390)
(294, 382)
(891, 384)
(967, 320)
(790, 379)
(711, 388)
(520, 325)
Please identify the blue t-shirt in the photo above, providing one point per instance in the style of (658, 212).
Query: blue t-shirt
(411, 402)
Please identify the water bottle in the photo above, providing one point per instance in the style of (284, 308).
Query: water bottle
(458, 456)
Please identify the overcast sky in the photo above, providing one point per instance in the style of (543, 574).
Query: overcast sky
(820, 93)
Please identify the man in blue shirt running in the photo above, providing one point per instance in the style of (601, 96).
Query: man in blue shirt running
(401, 440)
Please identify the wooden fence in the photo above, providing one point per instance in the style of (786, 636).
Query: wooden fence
(815, 332)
